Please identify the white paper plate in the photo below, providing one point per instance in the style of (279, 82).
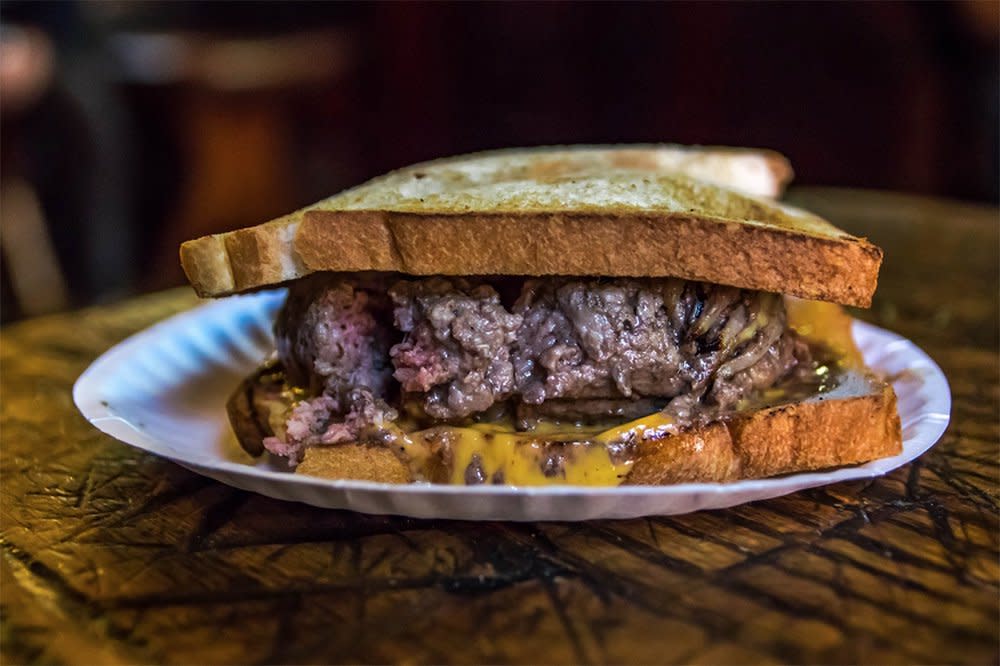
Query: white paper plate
(163, 390)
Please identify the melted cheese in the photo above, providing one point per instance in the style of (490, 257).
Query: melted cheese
(517, 459)
(825, 324)
(654, 426)
(499, 454)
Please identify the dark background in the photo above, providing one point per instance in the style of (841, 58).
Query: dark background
(155, 122)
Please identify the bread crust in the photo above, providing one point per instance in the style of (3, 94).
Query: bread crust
(595, 211)
(840, 270)
(359, 462)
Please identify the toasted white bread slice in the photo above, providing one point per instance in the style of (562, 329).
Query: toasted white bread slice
(610, 211)
(212, 272)
(852, 424)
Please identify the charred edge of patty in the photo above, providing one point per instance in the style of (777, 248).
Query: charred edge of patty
(246, 410)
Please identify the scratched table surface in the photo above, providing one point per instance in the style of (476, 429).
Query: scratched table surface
(112, 555)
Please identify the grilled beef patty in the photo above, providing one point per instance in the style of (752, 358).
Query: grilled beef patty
(565, 348)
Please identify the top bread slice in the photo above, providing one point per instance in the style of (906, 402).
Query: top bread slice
(629, 211)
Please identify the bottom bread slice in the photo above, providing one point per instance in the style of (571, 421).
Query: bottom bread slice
(852, 424)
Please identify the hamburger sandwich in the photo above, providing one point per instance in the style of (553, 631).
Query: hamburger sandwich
(584, 315)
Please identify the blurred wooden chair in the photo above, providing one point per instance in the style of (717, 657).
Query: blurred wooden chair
(230, 117)
(30, 262)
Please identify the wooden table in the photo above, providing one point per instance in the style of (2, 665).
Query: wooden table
(111, 555)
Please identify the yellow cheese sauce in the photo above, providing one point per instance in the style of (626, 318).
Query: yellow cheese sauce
(494, 452)
(513, 459)
(825, 324)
